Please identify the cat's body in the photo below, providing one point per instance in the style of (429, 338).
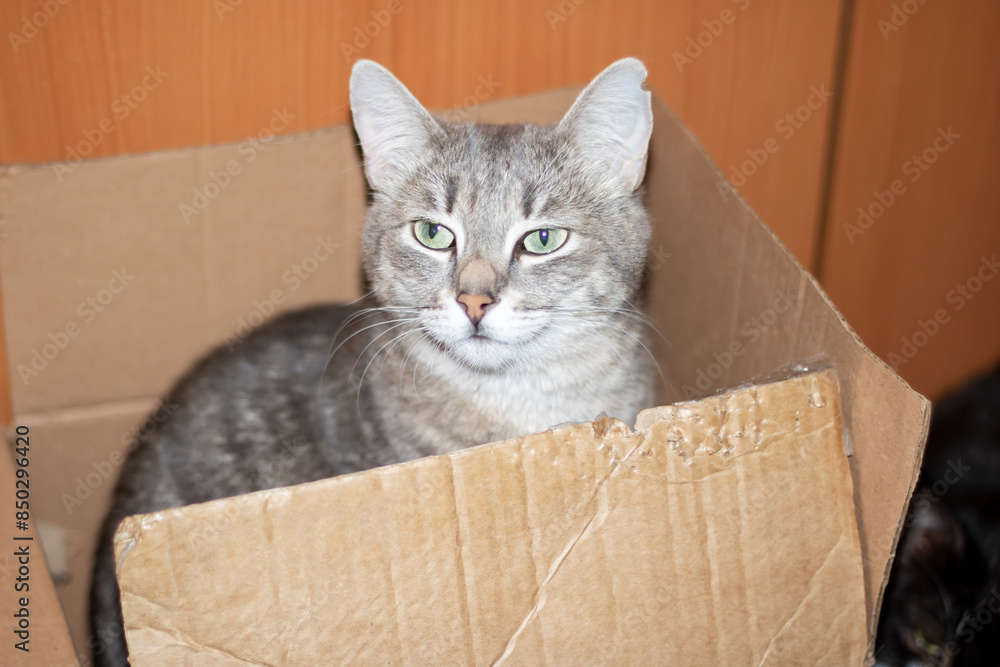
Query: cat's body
(942, 605)
(503, 261)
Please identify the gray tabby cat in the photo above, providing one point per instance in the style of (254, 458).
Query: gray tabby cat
(503, 262)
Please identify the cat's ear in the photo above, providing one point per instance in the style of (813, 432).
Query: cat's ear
(393, 126)
(610, 123)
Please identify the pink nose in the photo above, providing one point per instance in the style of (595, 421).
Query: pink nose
(475, 305)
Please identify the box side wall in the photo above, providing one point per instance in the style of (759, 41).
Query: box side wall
(137, 265)
(732, 304)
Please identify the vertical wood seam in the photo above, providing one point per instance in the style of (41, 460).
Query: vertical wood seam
(832, 142)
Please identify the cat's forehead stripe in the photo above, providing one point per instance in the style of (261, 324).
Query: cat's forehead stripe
(490, 165)
(528, 200)
(545, 208)
(451, 191)
(500, 137)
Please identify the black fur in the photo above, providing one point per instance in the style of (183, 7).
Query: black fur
(942, 605)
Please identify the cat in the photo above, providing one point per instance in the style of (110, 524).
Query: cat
(942, 604)
(504, 264)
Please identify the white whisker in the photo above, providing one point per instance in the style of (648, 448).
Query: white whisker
(326, 366)
(361, 381)
(406, 357)
(663, 379)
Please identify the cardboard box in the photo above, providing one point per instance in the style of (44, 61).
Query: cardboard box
(118, 273)
(722, 532)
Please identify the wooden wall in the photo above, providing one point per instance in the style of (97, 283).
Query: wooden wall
(110, 77)
(916, 275)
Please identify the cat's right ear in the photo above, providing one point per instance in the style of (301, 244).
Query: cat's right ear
(611, 122)
(393, 126)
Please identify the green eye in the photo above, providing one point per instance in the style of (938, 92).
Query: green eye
(544, 241)
(433, 235)
(924, 644)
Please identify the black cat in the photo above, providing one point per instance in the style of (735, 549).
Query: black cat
(942, 605)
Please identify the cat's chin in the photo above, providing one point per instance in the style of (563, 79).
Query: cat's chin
(484, 354)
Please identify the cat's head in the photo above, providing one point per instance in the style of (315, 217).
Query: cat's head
(937, 606)
(506, 240)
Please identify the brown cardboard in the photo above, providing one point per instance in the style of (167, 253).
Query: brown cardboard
(715, 267)
(719, 287)
(106, 248)
(48, 642)
(76, 474)
(722, 532)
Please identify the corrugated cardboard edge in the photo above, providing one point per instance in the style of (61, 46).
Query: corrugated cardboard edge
(814, 283)
(166, 572)
(914, 477)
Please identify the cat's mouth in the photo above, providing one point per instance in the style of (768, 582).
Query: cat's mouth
(483, 352)
(482, 340)
(497, 342)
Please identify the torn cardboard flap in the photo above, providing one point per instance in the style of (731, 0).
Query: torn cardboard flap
(721, 532)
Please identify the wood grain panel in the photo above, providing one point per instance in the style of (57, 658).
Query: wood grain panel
(922, 110)
(226, 65)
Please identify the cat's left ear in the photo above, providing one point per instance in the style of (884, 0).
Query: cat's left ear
(393, 126)
(611, 122)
